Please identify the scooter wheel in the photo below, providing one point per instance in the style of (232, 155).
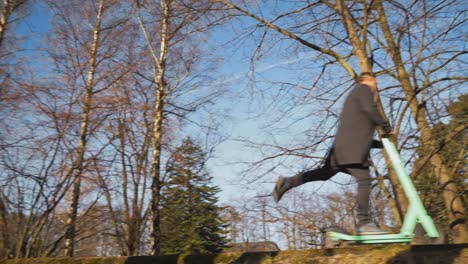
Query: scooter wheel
(420, 237)
(331, 242)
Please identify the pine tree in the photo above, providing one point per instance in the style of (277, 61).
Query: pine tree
(191, 221)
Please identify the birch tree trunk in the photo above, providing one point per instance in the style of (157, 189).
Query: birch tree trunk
(159, 69)
(78, 167)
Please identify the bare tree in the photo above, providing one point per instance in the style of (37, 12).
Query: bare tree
(88, 138)
(131, 125)
(78, 167)
(454, 204)
(373, 36)
(173, 74)
(298, 222)
(89, 62)
(231, 215)
(159, 62)
(11, 13)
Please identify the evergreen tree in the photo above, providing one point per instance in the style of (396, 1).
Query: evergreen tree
(191, 221)
(452, 145)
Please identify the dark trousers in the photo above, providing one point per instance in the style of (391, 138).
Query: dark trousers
(329, 169)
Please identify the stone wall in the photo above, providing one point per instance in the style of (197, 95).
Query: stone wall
(378, 254)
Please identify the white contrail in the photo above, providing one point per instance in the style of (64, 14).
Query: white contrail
(299, 57)
(263, 68)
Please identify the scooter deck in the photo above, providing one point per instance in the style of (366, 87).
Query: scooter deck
(370, 239)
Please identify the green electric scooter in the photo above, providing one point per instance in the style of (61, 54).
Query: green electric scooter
(416, 213)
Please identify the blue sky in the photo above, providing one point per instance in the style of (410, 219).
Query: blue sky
(34, 26)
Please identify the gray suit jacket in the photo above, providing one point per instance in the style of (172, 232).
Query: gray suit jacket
(358, 121)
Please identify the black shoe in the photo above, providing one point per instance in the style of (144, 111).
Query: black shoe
(281, 187)
(371, 229)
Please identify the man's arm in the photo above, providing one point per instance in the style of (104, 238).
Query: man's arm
(369, 106)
